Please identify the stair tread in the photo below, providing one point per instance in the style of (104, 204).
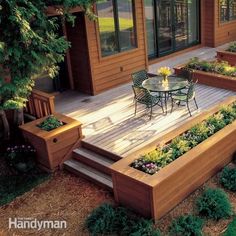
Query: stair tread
(94, 156)
(90, 172)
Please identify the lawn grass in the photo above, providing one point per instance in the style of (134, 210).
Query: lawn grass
(106, 24)
(12, 186)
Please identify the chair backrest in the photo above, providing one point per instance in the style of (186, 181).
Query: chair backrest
(40, 104)
(142, 95)
(187, 73)
(138, 77)
(191, 90)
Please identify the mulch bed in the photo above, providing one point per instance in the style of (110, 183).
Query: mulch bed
(71, 198)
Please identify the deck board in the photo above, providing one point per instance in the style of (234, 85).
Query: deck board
(108, 118)
(109, 122)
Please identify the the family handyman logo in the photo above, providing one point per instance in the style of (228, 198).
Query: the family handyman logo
(33, 223)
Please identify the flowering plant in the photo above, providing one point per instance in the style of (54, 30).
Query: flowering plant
(21, 157)
(164, 71)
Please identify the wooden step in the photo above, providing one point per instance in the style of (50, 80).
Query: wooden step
(89, 173)
(93, 159)
(100, 151)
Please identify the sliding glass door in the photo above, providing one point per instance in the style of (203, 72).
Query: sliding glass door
(171, 25)
(165, 26)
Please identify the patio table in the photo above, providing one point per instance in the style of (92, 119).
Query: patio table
(155, 84)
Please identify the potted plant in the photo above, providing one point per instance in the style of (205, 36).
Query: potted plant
(228, 55)
(212, 73)
(54, 137)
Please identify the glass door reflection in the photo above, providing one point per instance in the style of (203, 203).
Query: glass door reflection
(165, 26)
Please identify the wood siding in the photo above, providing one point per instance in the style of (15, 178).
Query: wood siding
(224, 32)
(79, 55)
(111, 71)
(207, 21)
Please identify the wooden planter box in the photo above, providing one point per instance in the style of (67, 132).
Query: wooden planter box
(155, 195)
(227, 56)
(54, 146)
(211, 79)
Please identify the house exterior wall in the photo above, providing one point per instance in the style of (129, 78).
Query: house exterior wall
(224, 32)
(94, 74)
(114, 70)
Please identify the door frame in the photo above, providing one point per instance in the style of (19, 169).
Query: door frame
(157, 53)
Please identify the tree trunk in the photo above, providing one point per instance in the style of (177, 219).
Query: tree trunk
(18, 117)
(6, 128)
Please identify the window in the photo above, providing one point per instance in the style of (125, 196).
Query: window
(227, 10)
(116, 26)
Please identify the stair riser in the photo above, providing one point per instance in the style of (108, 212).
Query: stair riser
(100, 151)
(91, 163)
(87, 178)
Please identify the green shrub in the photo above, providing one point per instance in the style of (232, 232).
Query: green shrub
(232, 47)
(214, 204)
(101, 220)
(187, 225)
(140, 227)
(222, 67)
(109, 220)
(228, 178)
(179, 146)
(199, 133)
(216, 122)
(229, 114)
(157, 159)
(50, 123)
(231, 230)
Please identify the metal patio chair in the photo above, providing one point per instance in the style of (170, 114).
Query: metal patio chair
(138, 77)
(185, 97)
(143, 96)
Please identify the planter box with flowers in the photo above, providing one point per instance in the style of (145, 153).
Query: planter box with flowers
(54, 137)
(157, 177)
(215, 74)
(228, 55)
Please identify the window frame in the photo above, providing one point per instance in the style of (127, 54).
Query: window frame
(228, 18)
(117, 32)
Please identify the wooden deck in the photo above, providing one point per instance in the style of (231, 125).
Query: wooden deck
(109, 122)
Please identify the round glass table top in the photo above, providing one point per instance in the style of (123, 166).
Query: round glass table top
(156, 84)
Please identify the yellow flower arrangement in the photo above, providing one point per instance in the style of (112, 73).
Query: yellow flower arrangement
(164, 71)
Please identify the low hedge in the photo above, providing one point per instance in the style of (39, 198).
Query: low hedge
(214, 204)
(110, 220)
(186, 225)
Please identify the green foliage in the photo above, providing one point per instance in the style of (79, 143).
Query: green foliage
(232, 47)
(186, 225)
(228, 178)
(108, 220)
(216, 122)
(153, 161)
(30, 45)
(50, 123)
(231, 230)
(179, 146)
(222, 67)
(229, 114)
(15, 185)
(101, 220)
(214, 204)
(21, 157)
